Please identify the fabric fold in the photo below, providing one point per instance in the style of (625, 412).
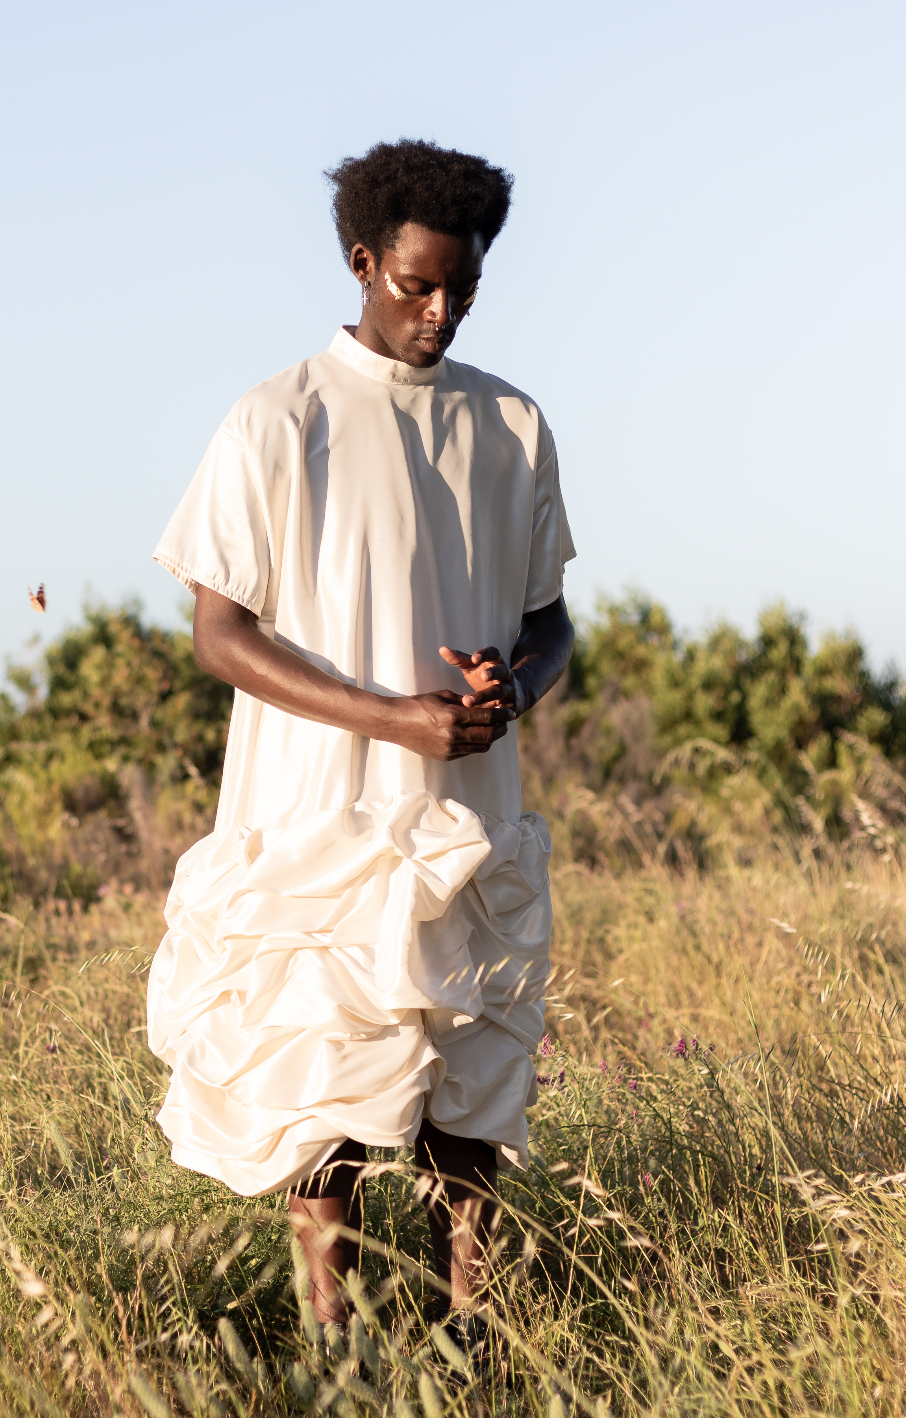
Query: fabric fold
(313, 977)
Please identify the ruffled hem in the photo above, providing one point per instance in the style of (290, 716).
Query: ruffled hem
(316, 981)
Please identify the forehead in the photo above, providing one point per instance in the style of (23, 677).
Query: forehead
(431, 254)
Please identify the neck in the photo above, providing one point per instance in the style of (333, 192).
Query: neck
(372, 339)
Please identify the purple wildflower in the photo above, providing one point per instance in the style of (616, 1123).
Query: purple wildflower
(693, 1044)
(603, 1066)
(53, 1047)
(547, 1046)
(633, 1084)
(647, 1180)
(681, 1049)
(551, 1080)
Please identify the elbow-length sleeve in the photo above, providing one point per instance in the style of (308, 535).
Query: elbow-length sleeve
(552, 543)
(218, 535)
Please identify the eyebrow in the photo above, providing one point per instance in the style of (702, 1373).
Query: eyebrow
(410, 276)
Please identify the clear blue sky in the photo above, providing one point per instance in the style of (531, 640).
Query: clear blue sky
(702, 281)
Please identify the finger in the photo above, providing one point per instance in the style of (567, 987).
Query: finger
(491, 678)
(492, 695)
(477, 735)
(497, 673)
(481, 733)
(484, 716)
(489, 674)
(498, 690)
(465, 749)
(490, 653)
(488, 695)
(455, 657)
(473, 736)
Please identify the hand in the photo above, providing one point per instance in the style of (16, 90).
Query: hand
(444, 726)
(492, 682)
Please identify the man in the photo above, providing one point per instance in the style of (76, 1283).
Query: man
(356, 956)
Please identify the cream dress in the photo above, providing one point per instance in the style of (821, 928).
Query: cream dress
(364, 936)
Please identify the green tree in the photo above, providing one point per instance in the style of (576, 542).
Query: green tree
(117, 723)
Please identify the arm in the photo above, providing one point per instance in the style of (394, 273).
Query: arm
(539, 658)
(441, 725)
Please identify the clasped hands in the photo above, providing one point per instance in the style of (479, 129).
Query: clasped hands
(445, 725)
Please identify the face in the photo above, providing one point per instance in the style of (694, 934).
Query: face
(417, 297)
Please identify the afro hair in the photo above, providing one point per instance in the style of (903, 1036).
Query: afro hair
(413, 181)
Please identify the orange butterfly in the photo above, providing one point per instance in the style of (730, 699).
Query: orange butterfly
(39, 601)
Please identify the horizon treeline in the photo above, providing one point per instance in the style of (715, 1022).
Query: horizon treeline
(654, 743)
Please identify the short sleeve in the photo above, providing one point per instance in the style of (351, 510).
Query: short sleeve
(552, 543)
(218, 535)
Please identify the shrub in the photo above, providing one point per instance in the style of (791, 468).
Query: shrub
(660, 742)
(111, 762)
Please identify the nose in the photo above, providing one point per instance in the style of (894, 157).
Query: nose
(440, 307)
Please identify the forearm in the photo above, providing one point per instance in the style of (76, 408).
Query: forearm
(541, 653)
(275, 674)
(436, 725)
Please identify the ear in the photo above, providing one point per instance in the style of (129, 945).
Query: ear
(362, 263)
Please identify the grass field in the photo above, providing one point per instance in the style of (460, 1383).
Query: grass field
(713, 1221)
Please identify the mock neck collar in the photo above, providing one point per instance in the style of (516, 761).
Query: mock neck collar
(374, 366)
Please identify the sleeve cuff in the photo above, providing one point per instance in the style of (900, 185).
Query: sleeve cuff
(192, 579)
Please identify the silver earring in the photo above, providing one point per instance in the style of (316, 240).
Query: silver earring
(366, 287)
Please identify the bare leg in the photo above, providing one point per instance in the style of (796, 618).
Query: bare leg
(458, 1212)
(331, 1196)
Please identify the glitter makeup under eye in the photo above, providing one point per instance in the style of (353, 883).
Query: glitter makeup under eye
(393, 287)
(470, 300)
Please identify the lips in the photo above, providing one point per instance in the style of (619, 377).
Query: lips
(434, 342)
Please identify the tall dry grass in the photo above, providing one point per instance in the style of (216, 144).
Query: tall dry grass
(712, 1221)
